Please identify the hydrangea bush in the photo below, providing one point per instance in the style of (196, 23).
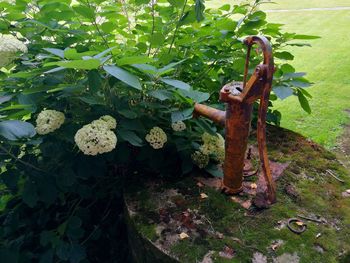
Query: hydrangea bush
(110, 87)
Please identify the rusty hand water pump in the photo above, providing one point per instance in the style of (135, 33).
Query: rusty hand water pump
(239, 98)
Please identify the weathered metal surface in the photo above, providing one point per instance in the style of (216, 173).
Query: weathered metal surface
(239, 98)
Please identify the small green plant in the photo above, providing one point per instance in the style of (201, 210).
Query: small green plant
(110, 87)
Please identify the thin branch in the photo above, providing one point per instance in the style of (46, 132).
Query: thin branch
(96, 26)
(19, 160)
(153, 26)
(125, 10)
(177, 26)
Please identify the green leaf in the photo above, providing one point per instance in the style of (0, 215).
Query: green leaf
(71, 53)
(169, 67)
(188, 18)
(257, 16)
(5, 98)
(54, 70)
(195, 95)
(123, 75)
(282, 92)
(199, 9)
(162, 95)
(133, 60)
(177, 3)
(63, 251)
(142, 2)
(93, 100)
(108, 27)
(176, 83)
(305, 37)
(85, 11)
(146, 68)
(300, 83)
(205, 125)
(181, 115)
(128, 114)
(29, 194)
(55, 51)
(225, 7)
(16, 107)
(294, 75)
(214, 170)
(130, 137)
(304, 103)
(307, 94)
(157, 39)
(287, 68)
(14, 130)
(100, 55)
(284, 55)
(80, 64)
(95, 81)
(77, 253)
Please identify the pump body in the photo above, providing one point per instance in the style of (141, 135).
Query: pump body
(239, 98)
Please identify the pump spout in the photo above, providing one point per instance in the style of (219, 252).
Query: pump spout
(213, 114)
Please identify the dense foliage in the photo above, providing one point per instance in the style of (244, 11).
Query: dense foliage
(142, 62)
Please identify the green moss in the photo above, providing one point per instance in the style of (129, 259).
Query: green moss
(148, 231)
(189, 251)
(319, 194)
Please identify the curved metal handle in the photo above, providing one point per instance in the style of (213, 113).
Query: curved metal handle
(265, 46)
(263, 107)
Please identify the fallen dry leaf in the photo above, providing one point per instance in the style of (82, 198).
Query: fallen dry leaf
(200, 185)
(207, 258)
(346, 193)
(183, 235)
(219, 235)
(299, 223)
(227, 253)
(274, 247)
(276, 244)
(203, 196)
(247, 204)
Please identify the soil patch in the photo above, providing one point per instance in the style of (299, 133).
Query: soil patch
(343, 146)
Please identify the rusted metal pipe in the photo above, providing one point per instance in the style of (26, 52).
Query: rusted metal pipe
(215, 115)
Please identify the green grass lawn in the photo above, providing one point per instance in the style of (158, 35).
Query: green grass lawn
(327, 63)
(286, 4)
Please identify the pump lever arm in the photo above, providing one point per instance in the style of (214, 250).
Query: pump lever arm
(266, 71)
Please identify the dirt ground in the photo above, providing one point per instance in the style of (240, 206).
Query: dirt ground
(343, 148)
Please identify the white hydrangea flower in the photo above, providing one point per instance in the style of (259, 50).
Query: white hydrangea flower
(200, 159)
(95, 138)
(111, 122)
(156, 138)
(49, 121)
(108, 121)
(178, 126)
(9, 46)
(214, 145)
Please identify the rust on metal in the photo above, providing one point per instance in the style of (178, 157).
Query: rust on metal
(239, 98)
